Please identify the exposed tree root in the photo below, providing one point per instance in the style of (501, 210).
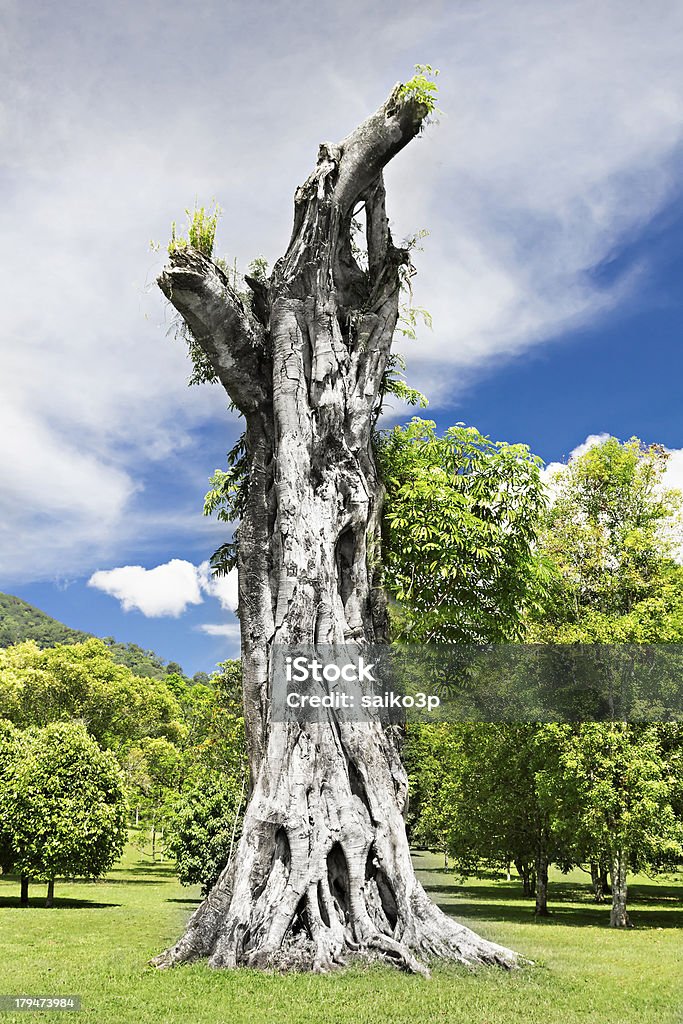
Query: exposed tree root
(323, 873)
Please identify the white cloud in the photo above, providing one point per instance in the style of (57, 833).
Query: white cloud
(47, 479)
(592, 441)
(549, 470)
(165, 590)
(224, 588)
(231, 630)
(560, 140)
(673, 476)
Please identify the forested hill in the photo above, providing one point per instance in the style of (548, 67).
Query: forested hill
(21, 621)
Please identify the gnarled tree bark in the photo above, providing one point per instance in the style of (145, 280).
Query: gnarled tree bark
(323, 870)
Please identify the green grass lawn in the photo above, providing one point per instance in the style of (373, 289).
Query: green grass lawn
(97, 940)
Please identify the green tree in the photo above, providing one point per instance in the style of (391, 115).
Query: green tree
(10, 753)
(227, 682)
(614, 798)
(460, 523)
(481, 802)
(66, 806)
(431, 756)
(141, 662)
(198, 704)
(611, 533)
(611, 536)
(206, 818)
(83, 682)
(155, 769)
(205, 825)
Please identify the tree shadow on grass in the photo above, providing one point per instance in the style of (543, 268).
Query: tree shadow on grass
(132, 881)
(596, 916)
(196, 902)
(60, 903)
(655, 894)
(145, 869)
(563, 892)
(650, 905)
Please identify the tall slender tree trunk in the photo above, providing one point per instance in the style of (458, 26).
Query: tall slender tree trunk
(598, 881)
(50, 896)
(541, 909)
(619, 915)
(23, 898)
(323, 869)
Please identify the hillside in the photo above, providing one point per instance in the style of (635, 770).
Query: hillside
(21, 621)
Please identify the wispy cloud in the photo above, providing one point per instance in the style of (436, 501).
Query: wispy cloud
(231, 630)
(561, 139)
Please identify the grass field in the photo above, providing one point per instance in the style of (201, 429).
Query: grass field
(97, 940)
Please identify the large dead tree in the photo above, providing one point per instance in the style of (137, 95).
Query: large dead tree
(323, 871)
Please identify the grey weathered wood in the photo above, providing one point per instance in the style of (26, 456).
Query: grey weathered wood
(323, 870)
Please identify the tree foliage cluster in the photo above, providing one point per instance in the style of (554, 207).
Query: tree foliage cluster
(62, 804)
(173, 747)
(460, 522)
(603, 795)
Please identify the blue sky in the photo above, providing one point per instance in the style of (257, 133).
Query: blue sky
(550, 189)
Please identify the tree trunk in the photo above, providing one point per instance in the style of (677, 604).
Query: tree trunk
(323, 869)
(50, 897)
(23, 899)
(542, 880)
(527, 874)
(618, 915)
(597, 881)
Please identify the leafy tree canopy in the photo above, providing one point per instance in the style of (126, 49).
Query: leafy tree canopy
(83, 682)
(612, 790)
(612, 533)
(64, 799)
(460, 524)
